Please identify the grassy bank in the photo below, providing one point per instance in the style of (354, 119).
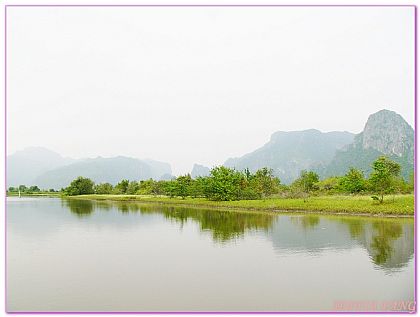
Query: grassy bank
(399, 205)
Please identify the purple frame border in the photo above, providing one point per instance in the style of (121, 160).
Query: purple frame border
(213, 5)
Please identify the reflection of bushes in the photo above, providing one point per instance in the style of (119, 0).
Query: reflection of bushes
(356, 226)
(224, 225)
(386, 232)
(307, 221)
(81, 208)
(383, 234)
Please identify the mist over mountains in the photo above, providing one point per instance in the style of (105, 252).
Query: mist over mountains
(47, 169)
(287, 153)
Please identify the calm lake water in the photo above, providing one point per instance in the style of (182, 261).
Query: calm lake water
(69, 255)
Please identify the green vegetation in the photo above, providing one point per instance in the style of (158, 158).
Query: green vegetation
(80, 186)
(30, 191)
(384, 176)
(228, 188)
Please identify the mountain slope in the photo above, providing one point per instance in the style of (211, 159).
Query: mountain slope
(287, 153)
(24, 166)
(385, 133)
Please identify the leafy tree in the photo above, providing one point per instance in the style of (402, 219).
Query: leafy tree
(23, 188)
(121, 187)
(12, 189)
(224, 184)
(354, 181)
(183, 185)
(104, 188)
(382, 179)
(80, 186)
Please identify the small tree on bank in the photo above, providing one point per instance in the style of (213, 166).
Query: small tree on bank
(381, 180)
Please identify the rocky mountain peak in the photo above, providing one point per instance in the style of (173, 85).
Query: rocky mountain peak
(387, 132)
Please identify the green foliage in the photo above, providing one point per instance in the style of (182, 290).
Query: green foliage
(307, 182)
(104, 188)
(383, 178)
(224, 184)
(227, 184)
(34, 189)
(354, 181)
(182, 185)
(330, 185)
(146, 187)
(171, 188)
(80, 186)
(121, 187)
(198, 187)
(264, 182)
(133, 187)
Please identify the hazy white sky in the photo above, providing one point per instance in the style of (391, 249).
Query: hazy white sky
(200, 85)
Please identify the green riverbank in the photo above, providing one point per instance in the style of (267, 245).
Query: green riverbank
(398, 205)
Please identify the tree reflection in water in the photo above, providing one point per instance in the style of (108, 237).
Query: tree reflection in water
(81, 208)
(384, 240)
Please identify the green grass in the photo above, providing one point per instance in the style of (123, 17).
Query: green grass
(398, 205)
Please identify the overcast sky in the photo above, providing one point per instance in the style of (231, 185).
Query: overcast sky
(200, 85)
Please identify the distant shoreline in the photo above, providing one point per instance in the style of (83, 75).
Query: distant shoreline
(402, 206)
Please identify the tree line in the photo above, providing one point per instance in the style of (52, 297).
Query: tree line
(226, 183)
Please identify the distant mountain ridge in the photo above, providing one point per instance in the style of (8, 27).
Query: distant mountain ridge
(288, 153)
(47, 169)
(25, 165)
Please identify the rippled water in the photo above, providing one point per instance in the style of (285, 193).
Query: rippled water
(74, 255)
